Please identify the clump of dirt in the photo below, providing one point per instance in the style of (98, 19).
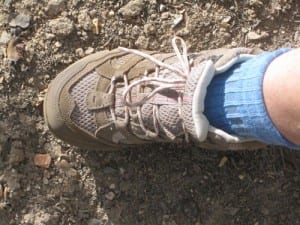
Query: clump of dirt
(45, 181)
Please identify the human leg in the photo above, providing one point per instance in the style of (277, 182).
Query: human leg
(281, 88)
(235, 99)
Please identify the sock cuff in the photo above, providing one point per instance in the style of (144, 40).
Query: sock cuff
(235, 102)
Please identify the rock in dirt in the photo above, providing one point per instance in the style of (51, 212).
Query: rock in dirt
(297, 36)
(63, 164)
(178, 19)
(42, 160)
(43, 218)
(21, 20)
(5, 37)
(3, 19)
(61, 26)
(89, 50)
(132, 9)
(28, 218)
(142, 42)
(79, 52)
(39, 218)
(8, 3)
(110, 196)
(54, 7)
(75, 2)
(85, 21)
(223, 161)
(112, 186)
(149, 29)
(255, 36)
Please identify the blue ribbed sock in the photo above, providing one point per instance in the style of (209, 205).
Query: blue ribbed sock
(235, 104)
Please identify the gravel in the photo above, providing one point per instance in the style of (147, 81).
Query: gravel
(132, 9)
(55, 7)
(21, 20)
(61, 27)
(156, 184)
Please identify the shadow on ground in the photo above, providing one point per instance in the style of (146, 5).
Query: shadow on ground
(175, 185)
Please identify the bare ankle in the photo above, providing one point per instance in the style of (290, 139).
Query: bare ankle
(281, 90)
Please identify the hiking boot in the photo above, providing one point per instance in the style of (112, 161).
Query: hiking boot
(125, 97)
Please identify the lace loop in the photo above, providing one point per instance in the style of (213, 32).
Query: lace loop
(183, 58)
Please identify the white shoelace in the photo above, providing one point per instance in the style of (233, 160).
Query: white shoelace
(161, 83)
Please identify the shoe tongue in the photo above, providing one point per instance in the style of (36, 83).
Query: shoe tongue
(193, 100)
(164, 106)
(166, 103)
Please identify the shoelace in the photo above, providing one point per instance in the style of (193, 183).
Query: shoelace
(161, 84)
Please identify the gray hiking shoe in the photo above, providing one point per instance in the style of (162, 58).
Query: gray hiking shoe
(126, 97)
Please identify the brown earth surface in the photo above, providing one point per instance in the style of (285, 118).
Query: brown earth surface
(157, 185)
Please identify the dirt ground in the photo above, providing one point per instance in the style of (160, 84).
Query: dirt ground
(157, 185)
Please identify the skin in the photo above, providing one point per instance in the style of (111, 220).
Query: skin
(281, 90)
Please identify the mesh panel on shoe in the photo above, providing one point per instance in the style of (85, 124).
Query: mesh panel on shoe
(170, 118)
(147, 114)
(168, 108)
(81, 115)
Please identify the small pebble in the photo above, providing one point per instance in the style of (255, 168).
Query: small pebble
(178, 19)
(85, 21)
(255, 36)
(110, 196)
(162, 7)
(89, 50)
(3, 19)
(223, 161)
(165, 15)
(111, 13)
(49, 36)
(54, 7)
(244, 30)
(234, 44)
(79, 52)
(226, 19)
(112, 186)
(8, 3)
(241, 177)
(5, 37)
(72, 173)
(62, 26)
(297, 36)
(57, 44)
(20, 20)
(149, 29)
(132, 9)
(42, 160)
(45, 181)
(142, 42)
(63, 164)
